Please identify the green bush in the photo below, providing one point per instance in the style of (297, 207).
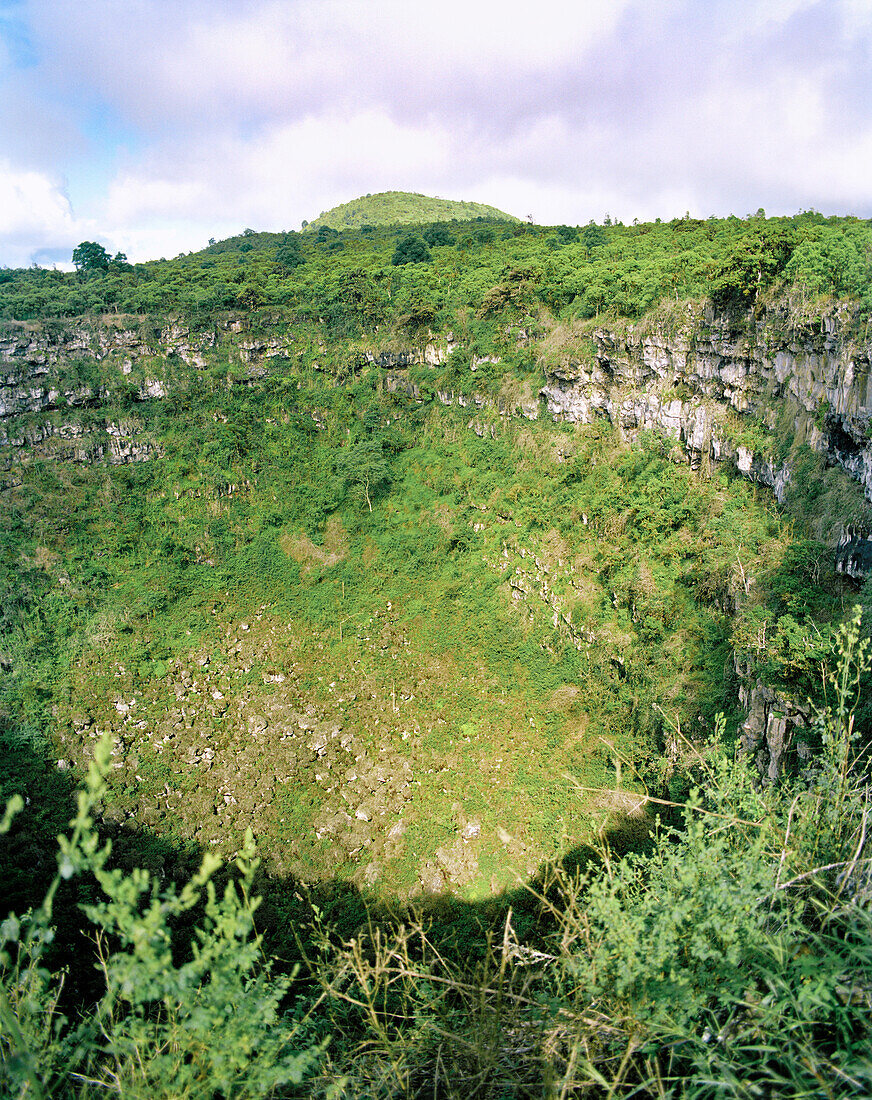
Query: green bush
(411, 250)
(203, 1023)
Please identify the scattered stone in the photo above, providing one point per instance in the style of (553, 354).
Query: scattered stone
(431, 878)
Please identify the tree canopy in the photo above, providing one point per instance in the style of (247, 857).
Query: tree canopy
(576, 273)
(411, 250)
(90, 256)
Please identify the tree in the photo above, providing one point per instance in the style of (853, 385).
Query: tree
(251, 296)
(90, 257)
(288, 253)
(752, 263)
(365, 468)
(438, 235)
(593, 237)
(411, 250)
(829, 262)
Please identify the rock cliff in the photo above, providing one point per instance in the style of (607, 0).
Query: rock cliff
(724, 388)
(62, 383)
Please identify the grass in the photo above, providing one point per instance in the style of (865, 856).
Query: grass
(463, 688)
(494, 574)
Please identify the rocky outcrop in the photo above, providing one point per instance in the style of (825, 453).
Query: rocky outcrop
(774, 732)
(50, 372)
(714, 384)
(115, 442)
(719, 385)
(57, 365)
(854, 554)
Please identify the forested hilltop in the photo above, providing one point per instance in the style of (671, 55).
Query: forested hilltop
(499, 581)
(403, 208)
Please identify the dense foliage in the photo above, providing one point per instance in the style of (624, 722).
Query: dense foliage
(339, 534)
(421, 526)
(733, 958)
(483, 269)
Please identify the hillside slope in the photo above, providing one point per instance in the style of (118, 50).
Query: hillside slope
(443, 578)
(423, 603)
(404, 208)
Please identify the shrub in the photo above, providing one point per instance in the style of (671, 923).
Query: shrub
(205, 1027)
(733, 958)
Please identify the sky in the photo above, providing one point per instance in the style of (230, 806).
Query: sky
(153, 125)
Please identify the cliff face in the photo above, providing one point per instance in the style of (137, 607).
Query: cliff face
(722, 387)
(714, 384)
(725, 390)
(57, 380)
(731, 392)
(55, 365)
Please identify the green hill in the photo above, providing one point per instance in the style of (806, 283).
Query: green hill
(404, 208)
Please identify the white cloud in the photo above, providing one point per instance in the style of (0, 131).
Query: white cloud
(857, 15)
(272, 180)
(481, 33)
(261, 113)
(208, 64)
(35, 214)
(133, 197)
(778, 140)
(772, 14)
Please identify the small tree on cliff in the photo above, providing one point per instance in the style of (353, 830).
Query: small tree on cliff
(364, 468)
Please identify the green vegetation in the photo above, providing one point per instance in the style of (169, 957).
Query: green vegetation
(411, 250)
(522, 596)
(477, 269)
(733, 957)
(547, 588)
(161, 1027)
(404, 208)
(286, 521)
(92, 258)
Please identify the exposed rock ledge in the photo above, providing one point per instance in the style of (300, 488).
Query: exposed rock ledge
(694, 381)
(774, 732)
(854, 554)
(718, 386)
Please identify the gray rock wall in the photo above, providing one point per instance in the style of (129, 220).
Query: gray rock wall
(700, 379)
(51, 371)
(718, 386)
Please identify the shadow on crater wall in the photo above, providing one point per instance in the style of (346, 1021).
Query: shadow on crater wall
(458, 928)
